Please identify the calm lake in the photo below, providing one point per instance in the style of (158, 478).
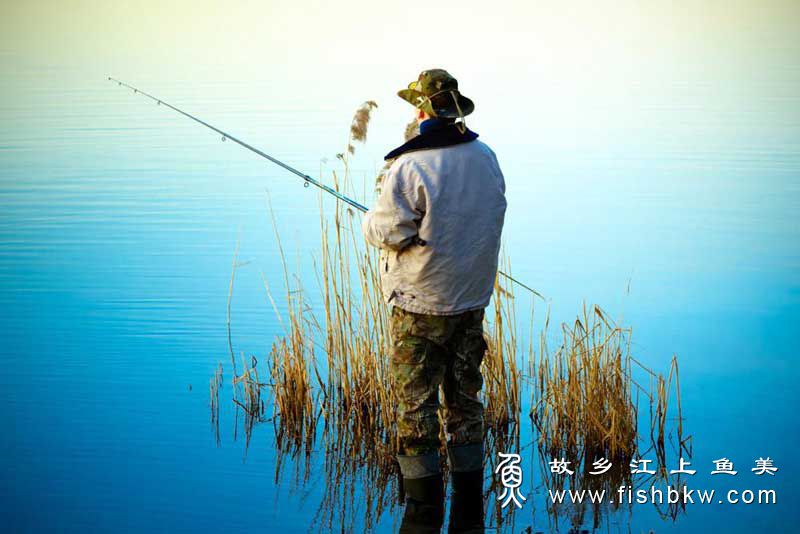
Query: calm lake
(669, 201)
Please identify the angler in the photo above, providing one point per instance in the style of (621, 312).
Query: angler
(444, 189)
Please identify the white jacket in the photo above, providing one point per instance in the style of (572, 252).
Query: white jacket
(453, 198)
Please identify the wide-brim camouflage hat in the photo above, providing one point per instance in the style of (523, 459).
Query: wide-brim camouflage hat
(436, 93)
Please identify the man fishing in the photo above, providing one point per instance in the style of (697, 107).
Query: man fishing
(438, 222)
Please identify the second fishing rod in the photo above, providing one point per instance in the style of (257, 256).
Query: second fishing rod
(306, 178)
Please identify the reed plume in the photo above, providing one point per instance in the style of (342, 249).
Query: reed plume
(360, 124)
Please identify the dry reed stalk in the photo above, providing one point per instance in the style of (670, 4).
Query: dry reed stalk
(230, 298)
(503, 361)
(249, 401)
(213, 393)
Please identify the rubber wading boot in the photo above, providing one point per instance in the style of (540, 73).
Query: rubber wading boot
(424, 505)
(466, 504)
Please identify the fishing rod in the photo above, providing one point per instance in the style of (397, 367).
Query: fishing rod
(306, 178)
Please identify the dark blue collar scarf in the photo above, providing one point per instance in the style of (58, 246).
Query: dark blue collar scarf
(434, 133)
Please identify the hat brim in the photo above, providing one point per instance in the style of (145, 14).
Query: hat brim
(419, 101)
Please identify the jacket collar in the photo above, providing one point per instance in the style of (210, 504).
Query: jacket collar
(434, 133)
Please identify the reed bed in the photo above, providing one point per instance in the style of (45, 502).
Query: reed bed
(330, 384)
(585, 409)
(292, 362)
(582, 406)
(358, 391)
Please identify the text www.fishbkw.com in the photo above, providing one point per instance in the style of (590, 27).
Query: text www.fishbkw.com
(668, 495)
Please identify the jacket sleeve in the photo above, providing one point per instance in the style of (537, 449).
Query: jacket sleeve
(394, 220)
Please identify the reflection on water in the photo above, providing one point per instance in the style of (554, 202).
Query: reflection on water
(361, 481)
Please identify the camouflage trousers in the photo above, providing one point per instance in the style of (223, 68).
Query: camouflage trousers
(429, 352)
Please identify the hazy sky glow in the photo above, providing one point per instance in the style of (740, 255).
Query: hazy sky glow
(594, 75)
(551, 51)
